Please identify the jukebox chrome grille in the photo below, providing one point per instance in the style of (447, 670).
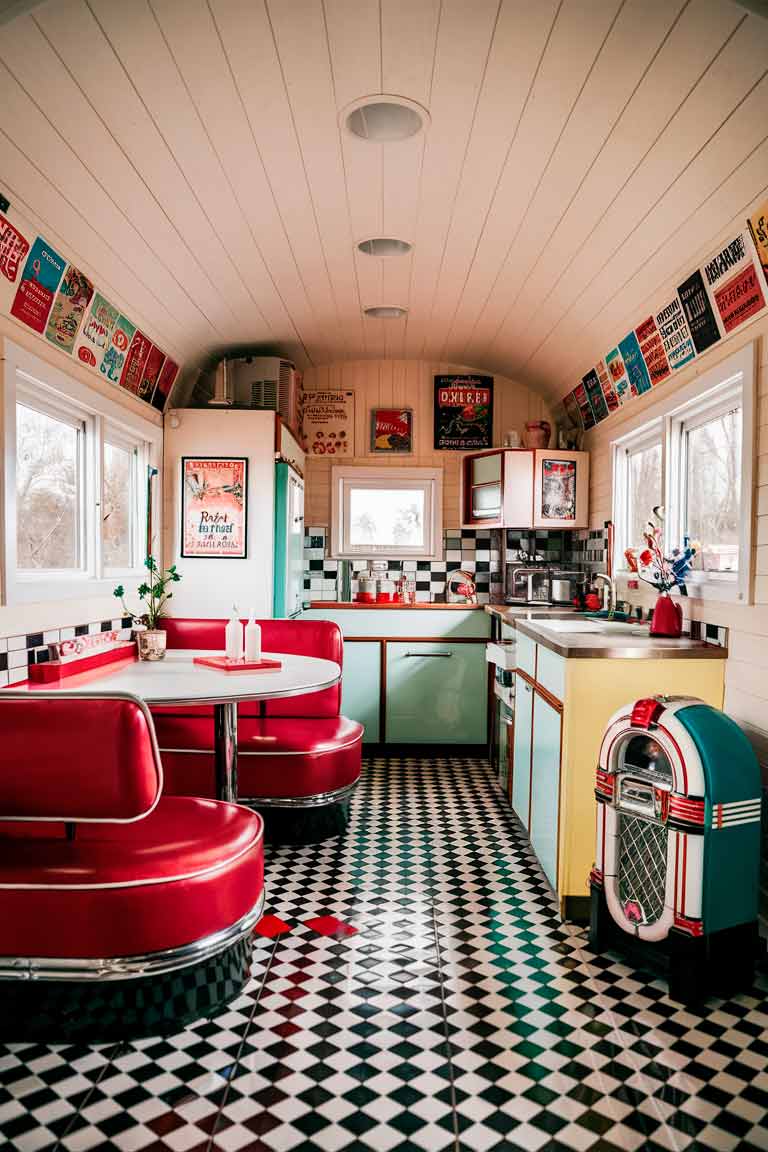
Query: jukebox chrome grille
(642, 866)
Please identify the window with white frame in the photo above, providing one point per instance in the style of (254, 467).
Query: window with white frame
(75, 492)
(390, 512)
(697, 449)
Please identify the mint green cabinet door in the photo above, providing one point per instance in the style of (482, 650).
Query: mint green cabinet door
(545, 786)
(436, 693)
(521, 761)
(361, 686)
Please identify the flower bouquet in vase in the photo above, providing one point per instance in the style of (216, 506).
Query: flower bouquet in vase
(664, 573)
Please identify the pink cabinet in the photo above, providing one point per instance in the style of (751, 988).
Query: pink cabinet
(525, 488)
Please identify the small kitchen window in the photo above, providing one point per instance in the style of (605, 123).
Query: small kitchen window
(389, 512)
(697, 450)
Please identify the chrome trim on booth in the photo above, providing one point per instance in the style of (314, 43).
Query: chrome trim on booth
(316, 801)
(130, 967)
(240, 752)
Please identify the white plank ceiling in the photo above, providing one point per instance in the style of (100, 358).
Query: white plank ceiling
(189, 154)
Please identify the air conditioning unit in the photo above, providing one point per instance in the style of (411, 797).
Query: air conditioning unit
(266, 382)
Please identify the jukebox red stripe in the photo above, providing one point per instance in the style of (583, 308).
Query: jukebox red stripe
(688, 925)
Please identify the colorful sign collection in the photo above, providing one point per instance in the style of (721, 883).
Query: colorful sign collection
(42, 290)
(729, 288)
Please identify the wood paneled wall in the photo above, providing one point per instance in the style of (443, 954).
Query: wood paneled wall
(747, 666)
(407, 384)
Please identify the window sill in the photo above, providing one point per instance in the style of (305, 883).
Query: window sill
(34, 590)
(725, 591)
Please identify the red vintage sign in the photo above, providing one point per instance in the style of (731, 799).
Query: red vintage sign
(740, 298)
(164, 384)
(13, 249)
(135, 361)
(149, 376)
(392, 430)
(652, 348)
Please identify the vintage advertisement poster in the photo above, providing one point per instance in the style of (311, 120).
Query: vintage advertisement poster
(114, 358)
(39, 280)
(733, 283)
(13, 249)
(463, 413)
(392, 430)
(329, 422)
(652, 348)
(758, 227)
(558, 490)
(151, 373)
(213, 507)
(675, 334)
(585, 408)
(637, 373)
(609, 392)
(165, 382)
(698, 312)
(572, 411)
(95, 336)
(618, 373)
(595, 394)
(135, 360)
(72, 299)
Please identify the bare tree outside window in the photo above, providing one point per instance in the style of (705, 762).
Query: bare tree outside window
(713, 489)
(382, 517)
(117, 505)
(48, 491)
(644, 490)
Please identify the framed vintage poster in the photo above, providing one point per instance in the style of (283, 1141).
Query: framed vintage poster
(328, 422)
(214, 507)
(392, 430)
(463, 413)
(558, 489)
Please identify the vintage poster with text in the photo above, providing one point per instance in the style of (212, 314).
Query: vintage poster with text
(652, 348)
(698, 312)
(213, 507)
(637, 373)
(135, 360)
(39, 280)
(595, 394)
(72, 299)
(609, 392)
(758, 227)
(165, 382)
(618, 373)
(151, 373)
(585, 408)
(114, 358)
(329, 422)
(675, 334)
(94, 339)
(463, 413)
(13, 251)
(733, 283)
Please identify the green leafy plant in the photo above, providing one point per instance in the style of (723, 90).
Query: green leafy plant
(153, 593)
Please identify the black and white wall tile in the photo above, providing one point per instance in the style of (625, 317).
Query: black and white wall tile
(477, 551)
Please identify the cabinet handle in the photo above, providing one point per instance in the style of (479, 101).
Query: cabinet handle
(418, 655)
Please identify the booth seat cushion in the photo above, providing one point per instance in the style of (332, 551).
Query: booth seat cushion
(320, 638)
(190, 869)
(284, 757)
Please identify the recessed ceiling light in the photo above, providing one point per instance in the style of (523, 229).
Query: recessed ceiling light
(382, 119)
(384, 246)
(385, 311)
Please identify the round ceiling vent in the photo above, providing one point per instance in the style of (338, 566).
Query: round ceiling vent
(382, 119)
(384, 246)
(385, 311)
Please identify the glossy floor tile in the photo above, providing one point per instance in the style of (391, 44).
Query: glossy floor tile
(413, 988)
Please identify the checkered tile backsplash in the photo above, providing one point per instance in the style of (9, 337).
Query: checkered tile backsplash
(474, 550)
(18, 652)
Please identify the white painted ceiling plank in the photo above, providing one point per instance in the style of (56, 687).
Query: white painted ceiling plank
(246, 34)
(300, 36)
(192, 36)
(464, 41)
(137, 39)
(693, 43)
(570, 54)
(67, 133)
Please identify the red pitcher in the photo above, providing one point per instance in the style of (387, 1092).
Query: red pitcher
(667, 617)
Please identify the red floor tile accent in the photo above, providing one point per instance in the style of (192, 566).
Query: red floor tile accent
(271, 926)
(330, 926)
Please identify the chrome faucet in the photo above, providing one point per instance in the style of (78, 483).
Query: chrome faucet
(611, 591)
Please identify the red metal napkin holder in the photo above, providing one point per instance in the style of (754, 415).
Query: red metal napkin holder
(53, 671)
(227, 664)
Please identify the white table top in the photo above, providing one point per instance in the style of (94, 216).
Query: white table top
(177, 680)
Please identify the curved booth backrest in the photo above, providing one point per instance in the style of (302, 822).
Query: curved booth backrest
(77, 758)
(320, 638)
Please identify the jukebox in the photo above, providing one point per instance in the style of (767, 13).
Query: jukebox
(678, 843)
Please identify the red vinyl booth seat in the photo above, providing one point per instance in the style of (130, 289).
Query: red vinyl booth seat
(300, 753)
(101, 875)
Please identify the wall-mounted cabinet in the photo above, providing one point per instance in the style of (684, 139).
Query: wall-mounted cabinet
(525, 488)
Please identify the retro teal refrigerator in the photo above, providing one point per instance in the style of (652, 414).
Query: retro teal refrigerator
(289, 542)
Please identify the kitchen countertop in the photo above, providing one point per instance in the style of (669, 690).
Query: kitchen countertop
(420, 605)
(510, 613)
(618, 645)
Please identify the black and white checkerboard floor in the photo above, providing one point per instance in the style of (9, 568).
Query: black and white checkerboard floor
(445, 1006)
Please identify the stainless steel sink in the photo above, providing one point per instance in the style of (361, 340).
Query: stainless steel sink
(590, 627)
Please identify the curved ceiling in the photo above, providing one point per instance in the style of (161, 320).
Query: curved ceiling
(189, 154)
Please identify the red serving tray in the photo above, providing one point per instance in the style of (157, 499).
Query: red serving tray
(52, 673)
(226, 664)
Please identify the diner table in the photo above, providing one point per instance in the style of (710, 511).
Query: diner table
(177, 680)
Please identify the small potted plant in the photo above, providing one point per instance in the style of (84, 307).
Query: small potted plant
(155, 595)
(663, 573)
